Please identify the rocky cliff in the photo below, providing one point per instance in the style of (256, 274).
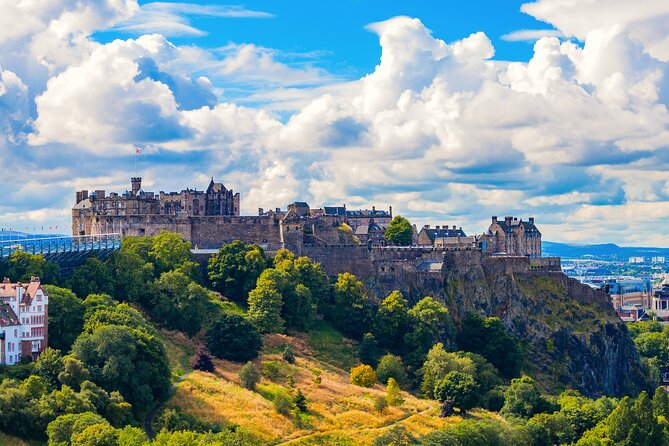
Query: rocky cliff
(572, 337)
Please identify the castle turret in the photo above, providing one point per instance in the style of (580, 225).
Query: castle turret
(136, 184)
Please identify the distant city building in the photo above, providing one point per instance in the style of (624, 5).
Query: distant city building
(23, 320)
(636, 260)
(367, 224)
(515, 237)
(657, 259)
(626, 292)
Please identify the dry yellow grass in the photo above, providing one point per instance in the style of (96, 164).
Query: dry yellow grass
(339, 412)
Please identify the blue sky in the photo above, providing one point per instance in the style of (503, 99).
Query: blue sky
(333, 35)
(449, 111)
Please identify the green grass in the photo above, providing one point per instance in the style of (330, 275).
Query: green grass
(330, 346)
(6, 440)
(178, 353)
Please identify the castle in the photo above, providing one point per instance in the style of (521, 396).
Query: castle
(211, 218)
(23, 320)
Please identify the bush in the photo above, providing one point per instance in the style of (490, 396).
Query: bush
(288, 354)
(396, 436)
(368, 350)
(202, 361)
(390, 366)
(249, 376)
(380, 404)
(363, 376)
(234, 338)
(270, 369)
(282, 403)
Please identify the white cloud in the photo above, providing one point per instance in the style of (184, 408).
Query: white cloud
(171, 19)
(530, 35)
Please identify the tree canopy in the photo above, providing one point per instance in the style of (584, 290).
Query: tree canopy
(399, 231)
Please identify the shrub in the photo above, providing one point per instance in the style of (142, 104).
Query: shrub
(202, 361)
(396, 436)
(270, 369)
(363, 376)
(368, 350)
(234, 338)
(282, 403)
(249, 376)
(380, 404)
(288, 354)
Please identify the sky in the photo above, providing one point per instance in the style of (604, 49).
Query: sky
(449, 111)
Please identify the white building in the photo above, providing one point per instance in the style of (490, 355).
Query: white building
(636, 260)
(23, 320)
(657, 259)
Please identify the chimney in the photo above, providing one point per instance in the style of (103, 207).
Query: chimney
(5, 280)
(436, 227)
(34, 279)
(80, 196)
(136, 183)
(373, 208)
(426, 226)
(508, 219)
(391, 211)
(260, 211)
(494, 219)
(455, 227)
(531, 220)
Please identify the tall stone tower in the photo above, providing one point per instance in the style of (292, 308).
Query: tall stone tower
(136, 184)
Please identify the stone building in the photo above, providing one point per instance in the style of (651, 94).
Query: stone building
(514, 237)
(428, 236)
(368, 225)
(23, 320)
(98, 213)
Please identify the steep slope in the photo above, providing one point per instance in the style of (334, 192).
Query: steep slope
(571, 335)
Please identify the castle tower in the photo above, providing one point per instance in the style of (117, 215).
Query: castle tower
(136, 184)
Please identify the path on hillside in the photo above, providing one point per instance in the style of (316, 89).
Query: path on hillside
(157, 407)
(371, 429)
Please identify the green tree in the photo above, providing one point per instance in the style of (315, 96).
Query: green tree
(101, 434)
(234, 338)
(93, 302)
(170, 252)
(49, 365)
(266, 303)
(391, 321)
(74, 372)
(183, 304)
(301, 401)
(66, 317)
(458, 387)
(352, 313)
(363, 376)
(61, 430)
(311, 275)
(134, 277)
(399, 231)
(249, 376)
(488, 338)
(652, 345)
(661, 403)
(94, 276)
(282, 403)
(130, 359)
(429, 321)
(522, 398)
(234, 270)
(439, 363)
(23, 266)
(368, 350)
(393, 393)
(391, 367)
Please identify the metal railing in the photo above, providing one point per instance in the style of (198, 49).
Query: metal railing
(61, 244)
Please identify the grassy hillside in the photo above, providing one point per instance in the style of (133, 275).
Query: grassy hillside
(339, 413)
(6, 440)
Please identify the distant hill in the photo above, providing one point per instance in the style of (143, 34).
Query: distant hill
(606, 251)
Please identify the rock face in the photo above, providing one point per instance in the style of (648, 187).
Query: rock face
(572, 337)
